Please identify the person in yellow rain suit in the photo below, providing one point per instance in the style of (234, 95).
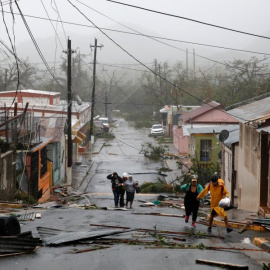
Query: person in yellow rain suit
(218, 192)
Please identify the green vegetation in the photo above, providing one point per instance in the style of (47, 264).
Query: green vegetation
(157, 187)
(153, 152)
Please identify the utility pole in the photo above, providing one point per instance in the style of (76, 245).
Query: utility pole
(94, 87)
(69, 127)
(187, 63)
(194, 75)
(5, 82)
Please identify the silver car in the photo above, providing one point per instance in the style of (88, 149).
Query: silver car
(157, 130)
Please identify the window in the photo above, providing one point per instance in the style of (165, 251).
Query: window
(205, 153)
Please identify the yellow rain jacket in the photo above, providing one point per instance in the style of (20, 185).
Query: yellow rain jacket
(217, 193)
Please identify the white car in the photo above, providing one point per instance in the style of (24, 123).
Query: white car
(157, 130)
(105, 122)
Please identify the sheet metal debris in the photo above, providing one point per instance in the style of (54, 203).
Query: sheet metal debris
(63, 237)
(22, 243)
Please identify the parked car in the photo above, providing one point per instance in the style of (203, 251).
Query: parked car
(157, 130)
(98, 127)
(105, 122)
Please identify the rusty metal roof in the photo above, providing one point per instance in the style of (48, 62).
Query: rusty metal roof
(252, 111)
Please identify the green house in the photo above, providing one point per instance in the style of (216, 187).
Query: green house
(205, 143)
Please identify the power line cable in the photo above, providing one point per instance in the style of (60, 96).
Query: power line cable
(157, 37)
(118, 45)
(203, 57)
(36, 45)
(189, 19)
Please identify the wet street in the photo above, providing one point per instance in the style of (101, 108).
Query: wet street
(130, 249)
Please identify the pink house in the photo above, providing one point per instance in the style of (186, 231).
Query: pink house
(208, 114)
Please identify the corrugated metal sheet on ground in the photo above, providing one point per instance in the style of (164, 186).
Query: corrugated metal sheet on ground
(27, 216)
(13, 244)
(67, 237)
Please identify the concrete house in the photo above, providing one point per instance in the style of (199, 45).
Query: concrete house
(230, 159)
(47, 123)
(253, 168)
(204, 144)
(208, 114)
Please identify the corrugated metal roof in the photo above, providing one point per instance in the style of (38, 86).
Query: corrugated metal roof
(35, 92)
(57, 238)
(252, 111)
(212, 129)
(233, 138)
(15, 244)
(52, 127)
(203, 109)
(265, 129)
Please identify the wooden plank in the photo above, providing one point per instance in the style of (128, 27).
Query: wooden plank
(240, 225)
(222, 264)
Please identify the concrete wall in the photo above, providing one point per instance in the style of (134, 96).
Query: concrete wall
(248, 169)
(7, 177)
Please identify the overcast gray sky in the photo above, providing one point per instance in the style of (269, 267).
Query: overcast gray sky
(243, 15)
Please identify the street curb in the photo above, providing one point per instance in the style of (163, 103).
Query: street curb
(262, 242)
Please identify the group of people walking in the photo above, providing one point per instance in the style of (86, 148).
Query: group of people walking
(121, 186)
(195, 192)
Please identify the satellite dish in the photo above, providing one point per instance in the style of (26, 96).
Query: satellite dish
(220, 154)
(223, 135)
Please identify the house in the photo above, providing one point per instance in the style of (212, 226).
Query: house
(253, 167)
(211, 113)
(56, 149)
(204, 144)
(230, 159)
(170, 114)
(30, 155)
(39, 127)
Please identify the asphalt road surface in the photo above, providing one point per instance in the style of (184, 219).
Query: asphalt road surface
(123, 154)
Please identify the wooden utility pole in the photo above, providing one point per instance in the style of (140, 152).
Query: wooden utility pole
(94, 87)
(5, 82)
(194, 75)
(187, 63)
(69, 97)
(69, 124)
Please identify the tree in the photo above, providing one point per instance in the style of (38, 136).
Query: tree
(243, 79)
(21, 76)
(81, 81)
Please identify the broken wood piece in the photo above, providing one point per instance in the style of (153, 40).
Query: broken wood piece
(87, 250)
(227, 265)
(160, 214)
(245, 227)
(180, 239)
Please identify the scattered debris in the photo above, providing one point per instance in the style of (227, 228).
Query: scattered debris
(18, 244)
(59, 237)
(160, 214)
(222, 264)
(87, 250)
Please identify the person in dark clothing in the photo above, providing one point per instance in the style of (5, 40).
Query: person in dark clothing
(117, 187)
(191, 203)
